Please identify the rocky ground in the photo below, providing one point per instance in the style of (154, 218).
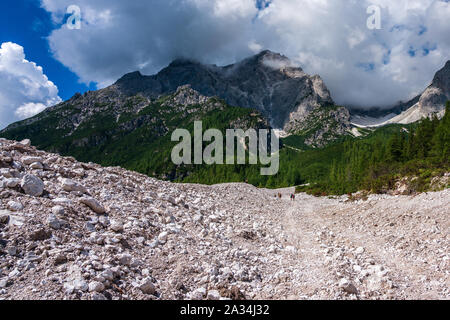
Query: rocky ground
(71, 230)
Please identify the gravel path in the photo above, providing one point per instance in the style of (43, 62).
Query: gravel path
(387, 246)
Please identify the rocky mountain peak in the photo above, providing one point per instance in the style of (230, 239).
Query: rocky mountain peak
(442, 78)
(136, 75)
(276, 62)
(270, 55)
(436, 95)
(182, 62)
(268, 82)
(187, 96)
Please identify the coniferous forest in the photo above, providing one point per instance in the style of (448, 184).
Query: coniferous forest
(373, 163)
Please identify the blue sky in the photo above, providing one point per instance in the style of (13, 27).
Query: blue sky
(361, 67)
(25, 23)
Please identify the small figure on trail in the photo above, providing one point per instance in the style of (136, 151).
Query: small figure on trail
(279, 195)
(292, 197)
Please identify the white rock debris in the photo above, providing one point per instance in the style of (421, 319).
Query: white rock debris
(71, 230)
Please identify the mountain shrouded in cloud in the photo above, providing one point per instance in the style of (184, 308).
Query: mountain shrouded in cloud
(361, 67)
(25, 89)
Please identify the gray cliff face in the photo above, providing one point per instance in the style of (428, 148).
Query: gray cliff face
(437, 94)
(323, 125)
(267, 82)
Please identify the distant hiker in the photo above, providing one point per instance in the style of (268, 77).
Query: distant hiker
(292, 197)
(279, 195)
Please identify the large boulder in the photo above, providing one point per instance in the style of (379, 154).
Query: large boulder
(32, 185)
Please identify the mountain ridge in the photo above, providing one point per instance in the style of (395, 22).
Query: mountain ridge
(268, 82)
(292, 101)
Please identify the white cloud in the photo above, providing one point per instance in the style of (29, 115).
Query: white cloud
(149, 34)
(326, 37)
(24, 89)
(255, 47)
(29, 109)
